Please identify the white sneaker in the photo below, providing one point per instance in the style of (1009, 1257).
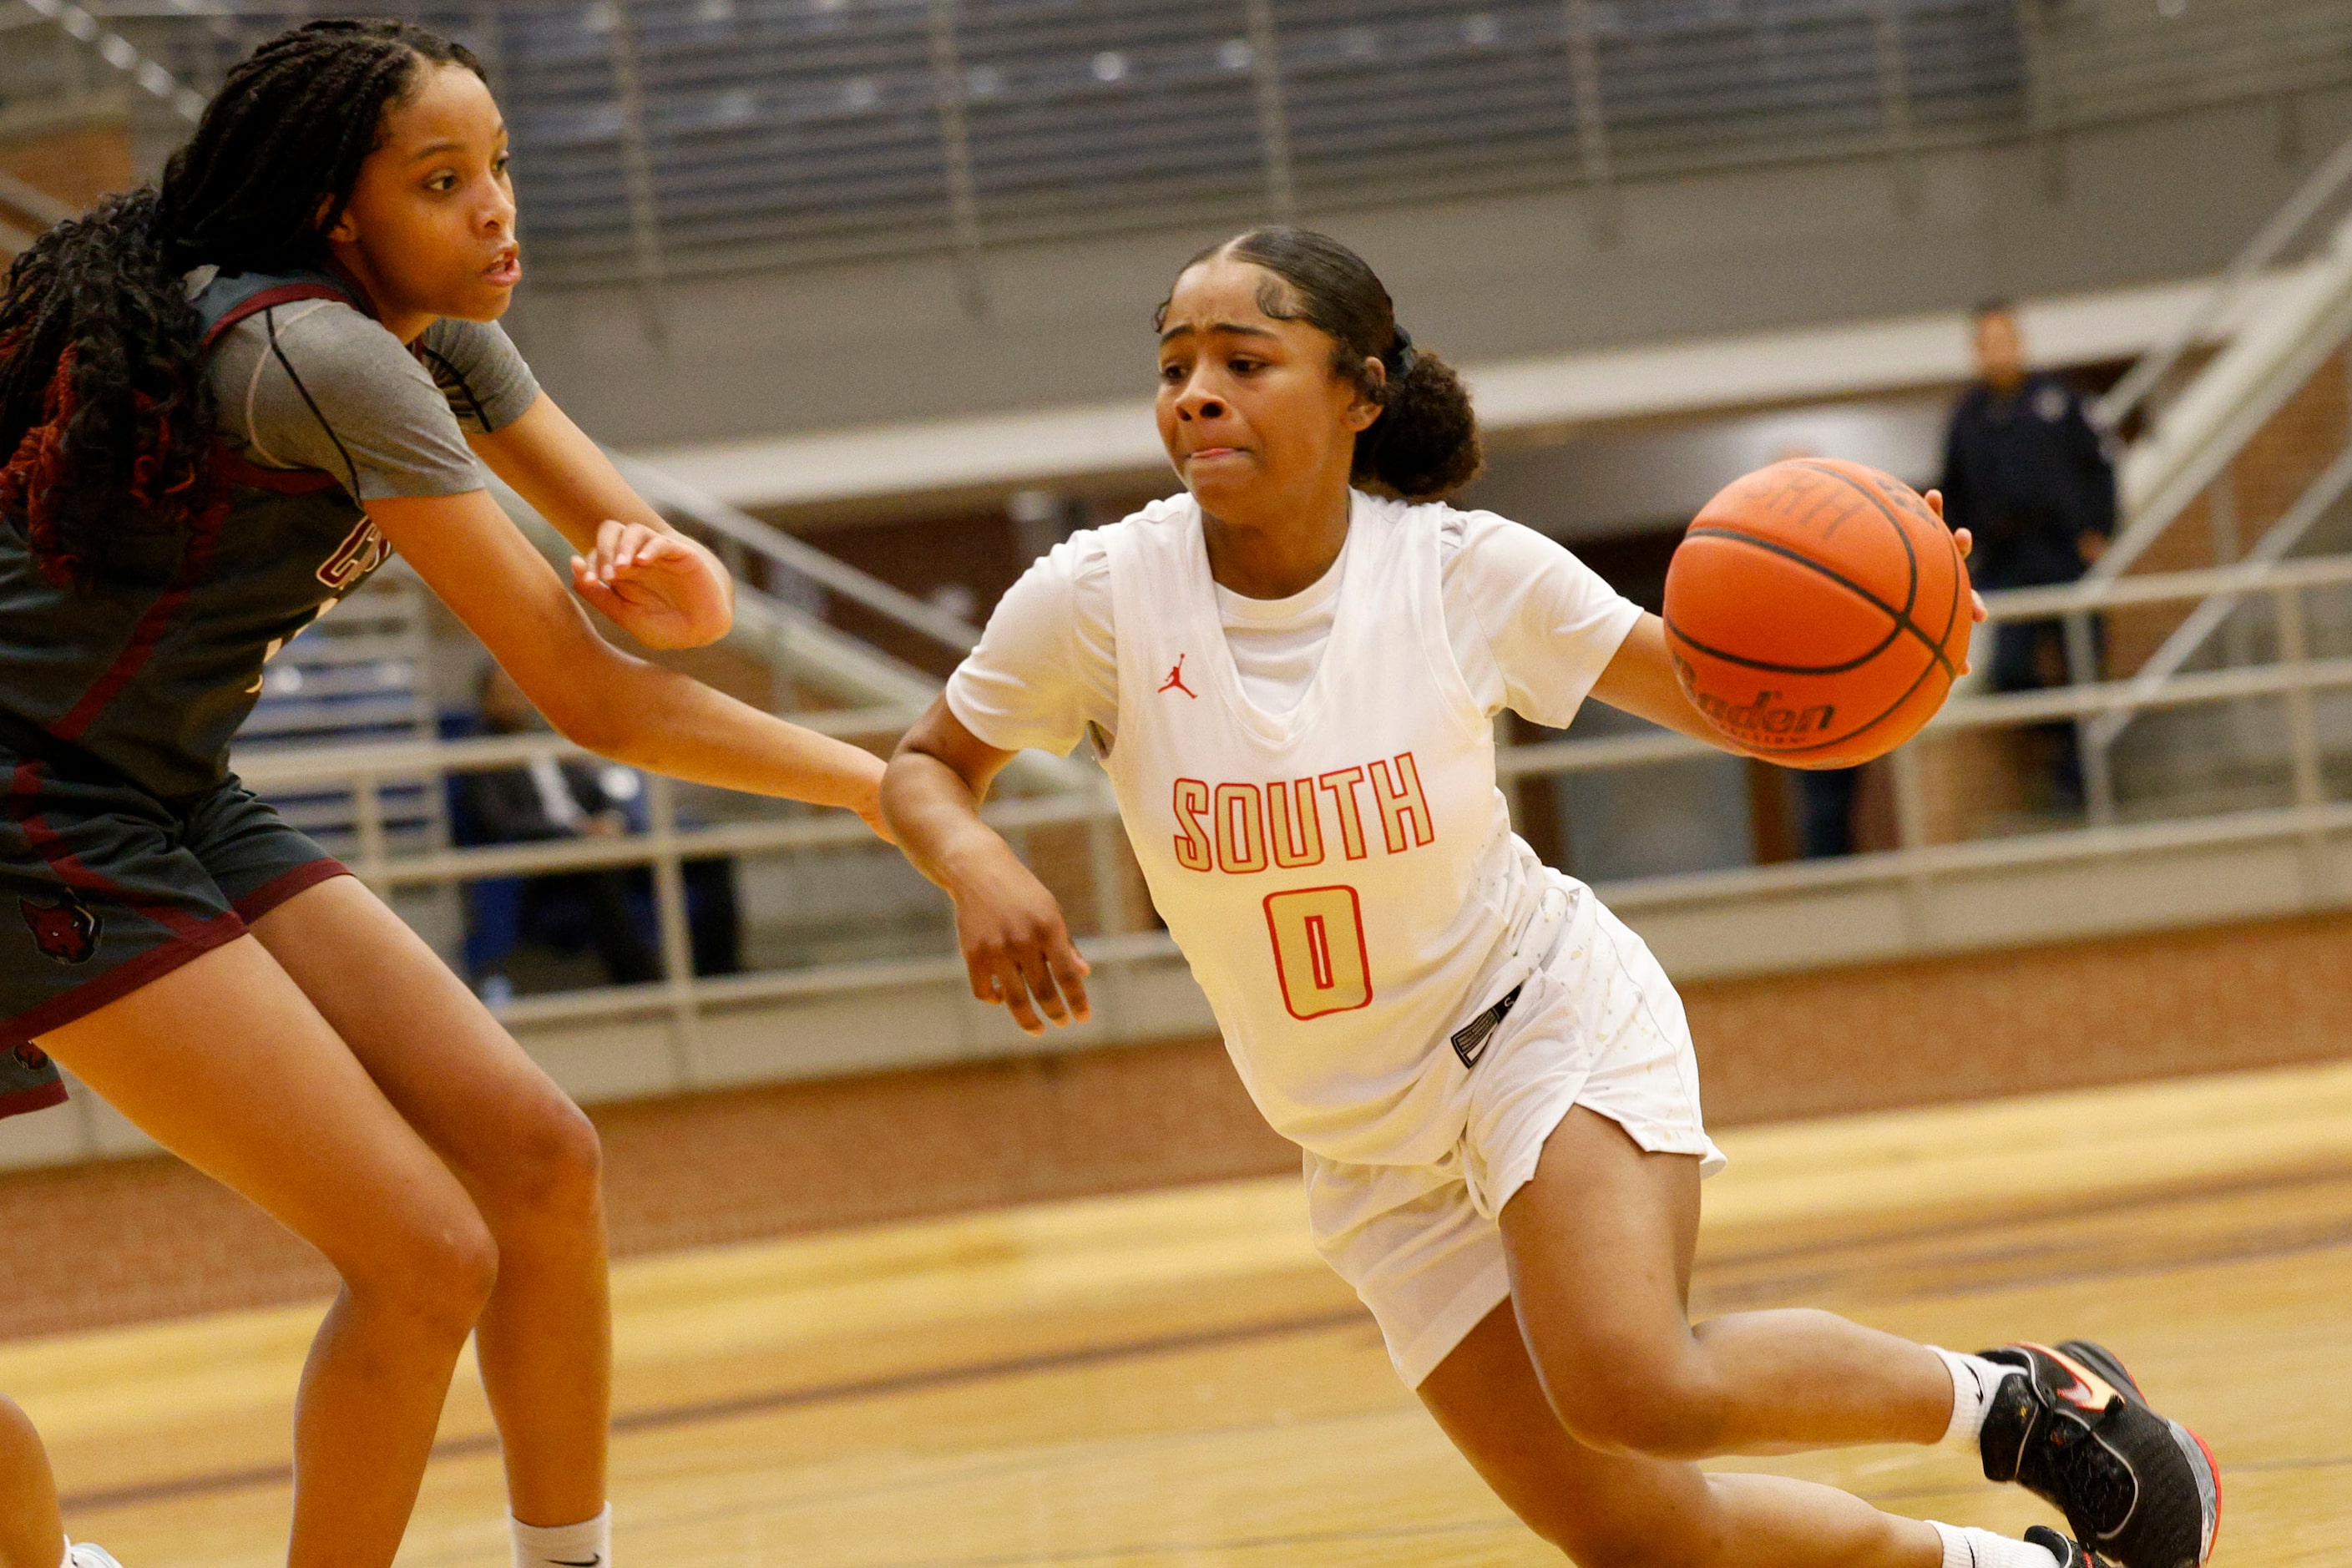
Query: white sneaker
(82, 1554)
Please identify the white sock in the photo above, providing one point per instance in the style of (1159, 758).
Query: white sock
(1974, 1379)
(588, 1545)
(1983, 1549)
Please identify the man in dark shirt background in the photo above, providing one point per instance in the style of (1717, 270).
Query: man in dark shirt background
(2024, 468)
(573, 799)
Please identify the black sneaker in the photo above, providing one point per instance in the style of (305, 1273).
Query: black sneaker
(2069, 1554)
(2077, 1432)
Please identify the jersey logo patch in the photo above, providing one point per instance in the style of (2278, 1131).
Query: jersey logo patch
(362, 552)
(32, 1057)
(65, 930)
(1175, 681)
(1470, 1040)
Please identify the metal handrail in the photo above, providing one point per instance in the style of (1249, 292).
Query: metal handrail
(2318, 499)
(669, 844)
(365, 768)
(771, 544)
(2326, 182)
(306, 767)
(32, 201)
(121, 54)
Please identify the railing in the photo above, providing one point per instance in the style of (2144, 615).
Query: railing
(2321, 195)
(808, 573)
(1101, 875)
(118, 54)
(663, 137)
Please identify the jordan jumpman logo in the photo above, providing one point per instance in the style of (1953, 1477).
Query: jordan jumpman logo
(1175, 680)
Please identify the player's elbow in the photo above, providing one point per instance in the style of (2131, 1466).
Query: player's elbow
(594, 714)
(607, 729)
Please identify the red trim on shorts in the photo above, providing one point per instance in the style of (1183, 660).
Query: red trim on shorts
(286, 884)
(120, 981)
(39, 1097)
(24, 789)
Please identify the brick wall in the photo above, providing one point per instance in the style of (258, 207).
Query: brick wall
(150, 1238)
(2260, 486)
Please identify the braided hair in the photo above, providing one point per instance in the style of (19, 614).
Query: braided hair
(1425, 445)
(106, 427)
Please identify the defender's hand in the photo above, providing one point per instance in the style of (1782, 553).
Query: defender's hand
(664, 591)
(1017, 946)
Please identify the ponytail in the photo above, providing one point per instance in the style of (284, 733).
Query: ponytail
(102, 395)
(1425, 445)
(106, 424)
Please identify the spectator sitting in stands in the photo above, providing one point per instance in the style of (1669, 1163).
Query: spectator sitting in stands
(2024, 468)
(544, 801)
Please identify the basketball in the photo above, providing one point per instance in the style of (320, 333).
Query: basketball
(1818, 613)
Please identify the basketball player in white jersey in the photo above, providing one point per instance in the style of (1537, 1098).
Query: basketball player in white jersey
(1291, 673)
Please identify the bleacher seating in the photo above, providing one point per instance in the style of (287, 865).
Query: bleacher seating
(354, 676)
(774, 130)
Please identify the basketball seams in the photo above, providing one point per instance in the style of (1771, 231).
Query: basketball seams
(1869, 725)
(1893, 629)
(1935, 645)
(1902, 535)
(1903, 621)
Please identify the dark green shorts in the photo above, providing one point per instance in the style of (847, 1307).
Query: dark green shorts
(110, 888)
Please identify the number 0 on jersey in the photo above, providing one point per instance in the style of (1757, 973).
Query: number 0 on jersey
(1319, 949)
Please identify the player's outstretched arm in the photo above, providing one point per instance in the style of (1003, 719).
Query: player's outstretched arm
(663, 588)
(1016, 944)
(1641, 680)
(613, 703)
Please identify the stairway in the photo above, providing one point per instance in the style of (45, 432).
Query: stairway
(2247, 462)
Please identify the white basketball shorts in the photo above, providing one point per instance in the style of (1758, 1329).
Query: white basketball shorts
(1597, 1025)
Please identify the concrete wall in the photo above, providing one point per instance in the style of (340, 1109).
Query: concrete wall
(1488, 278)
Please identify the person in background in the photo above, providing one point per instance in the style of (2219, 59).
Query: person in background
(2025, 470)
(1826, 827)
(548, 800)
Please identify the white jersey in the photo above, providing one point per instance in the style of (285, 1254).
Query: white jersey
(1342, 878)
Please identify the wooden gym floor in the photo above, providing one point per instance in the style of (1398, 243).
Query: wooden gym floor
(1171, 1378)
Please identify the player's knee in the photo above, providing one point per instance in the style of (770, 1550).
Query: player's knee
(438, 1268)
(1662, 1411)
(551, 1162)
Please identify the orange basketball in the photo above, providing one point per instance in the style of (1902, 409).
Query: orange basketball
(1818, 613)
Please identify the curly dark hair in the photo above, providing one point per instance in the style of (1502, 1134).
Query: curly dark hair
(1424, 446)
(104, 419)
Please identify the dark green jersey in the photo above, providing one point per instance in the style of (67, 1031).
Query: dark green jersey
(152, 669)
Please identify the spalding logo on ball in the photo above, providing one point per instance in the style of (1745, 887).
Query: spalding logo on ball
(1818, 613)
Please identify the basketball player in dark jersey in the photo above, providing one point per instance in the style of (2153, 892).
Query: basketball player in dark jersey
(223, 403)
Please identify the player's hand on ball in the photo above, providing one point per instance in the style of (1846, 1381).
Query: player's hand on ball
(1964, 542)
(664, 591)
(1017, 947)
